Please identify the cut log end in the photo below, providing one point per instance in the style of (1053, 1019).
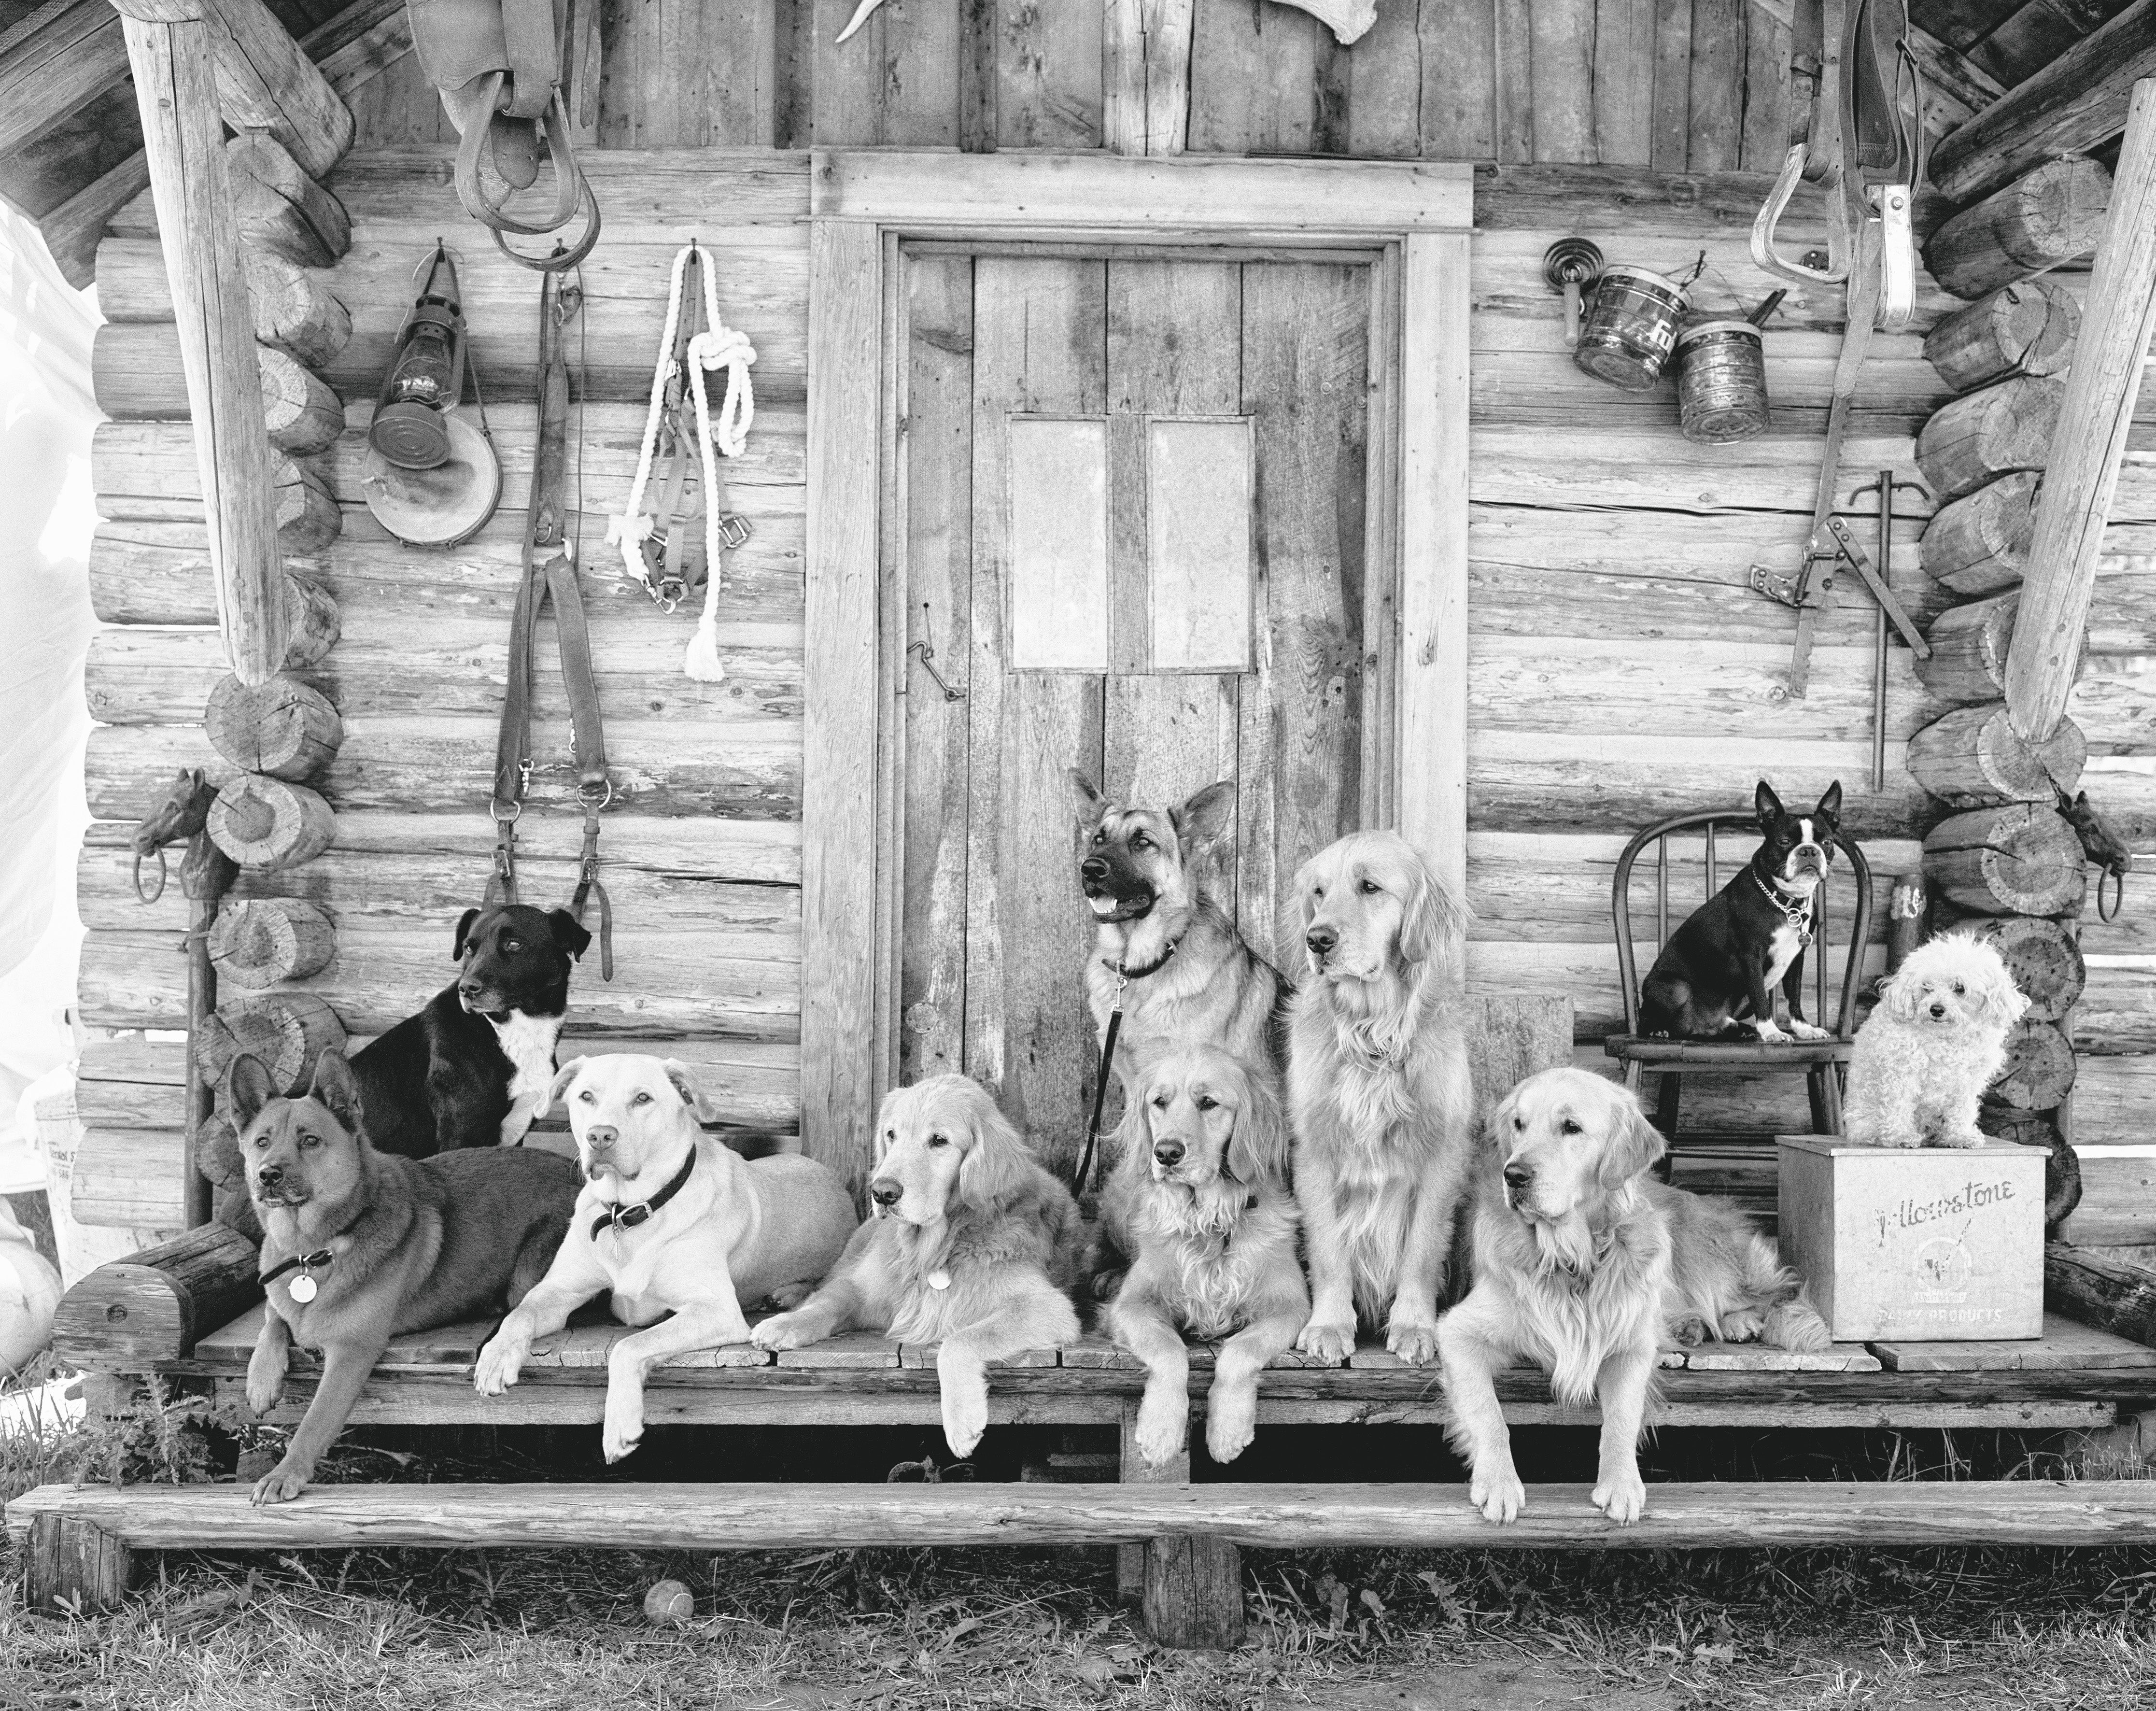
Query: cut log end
(257, 943)
(282, 728)
(269, 823)
(1973, 758)
(1978, 544)
(287, 1031)
(1970, 442)
(2020, 858)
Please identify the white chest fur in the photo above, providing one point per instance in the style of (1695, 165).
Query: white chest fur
(1782, 950)
(528, 1043)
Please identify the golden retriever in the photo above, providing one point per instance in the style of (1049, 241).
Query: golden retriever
(1203, 1190)
(1585, 1265)
(1379, 1091)
(971, 1245)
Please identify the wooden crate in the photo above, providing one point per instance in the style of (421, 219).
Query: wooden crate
(1932, 1245)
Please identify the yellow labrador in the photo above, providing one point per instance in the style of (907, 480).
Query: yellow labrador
(1202, 1189)
(1379, 1091)
(671, 1221)
(1585, 1266)
(972, 1245)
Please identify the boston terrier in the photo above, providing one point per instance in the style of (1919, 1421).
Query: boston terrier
(1716, 976)
(477, 1065)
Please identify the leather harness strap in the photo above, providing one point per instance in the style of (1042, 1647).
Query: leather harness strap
(1123, 978)
(550, 575)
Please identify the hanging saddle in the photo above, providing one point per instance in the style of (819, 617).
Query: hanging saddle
(1863, 148)
(497, 64)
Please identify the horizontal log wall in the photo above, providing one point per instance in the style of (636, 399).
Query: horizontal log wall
(1620, 668)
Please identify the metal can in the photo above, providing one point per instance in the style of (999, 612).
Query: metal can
(1722, 380)
(1631, 327)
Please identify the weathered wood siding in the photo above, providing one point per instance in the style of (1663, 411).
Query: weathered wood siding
(1621, 669)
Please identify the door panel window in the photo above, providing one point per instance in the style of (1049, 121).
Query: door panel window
(1197, 480)
(1059, 543)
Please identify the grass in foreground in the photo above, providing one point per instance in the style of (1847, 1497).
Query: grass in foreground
(1017, 1630)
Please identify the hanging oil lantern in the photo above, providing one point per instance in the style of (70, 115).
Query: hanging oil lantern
(426, 377)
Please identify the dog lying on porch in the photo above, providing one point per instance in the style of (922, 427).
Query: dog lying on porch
(359, 1245)
(1585, 1266)
(674, 1225)
(1379, 1091)
(971, 1245)
(1202, 1189)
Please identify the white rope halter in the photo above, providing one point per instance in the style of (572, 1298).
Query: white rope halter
(718, 347)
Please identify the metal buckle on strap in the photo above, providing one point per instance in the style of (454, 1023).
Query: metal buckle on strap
(595, 794)
(734, 531)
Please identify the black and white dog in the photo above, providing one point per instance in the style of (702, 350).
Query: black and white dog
(1716, 975)
(475, 1066)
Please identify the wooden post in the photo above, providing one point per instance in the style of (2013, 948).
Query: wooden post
(1191, 1589)
(2050, 216)
(2024, 328)
(76, 1565)
(184, 136)
(1146, 80)
(2082, 470)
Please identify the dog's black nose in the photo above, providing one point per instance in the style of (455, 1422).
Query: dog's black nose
(1321, 940)
(1518, 1177)
(1938, 1010)
(269, 1175)
(602, 1135)
(1168, 1151)
(1094, 867)
(885, 1193)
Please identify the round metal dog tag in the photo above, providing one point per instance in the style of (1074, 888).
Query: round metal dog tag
(303, 1288)
(939, 1280)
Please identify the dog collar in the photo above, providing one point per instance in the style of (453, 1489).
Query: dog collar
(304, 1288)
(617, 1216)
(1797, 914)
(1126, 975)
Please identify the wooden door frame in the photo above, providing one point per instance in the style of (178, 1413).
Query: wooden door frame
(863, 203)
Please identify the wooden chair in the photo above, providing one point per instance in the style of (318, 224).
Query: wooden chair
(1822, 1061)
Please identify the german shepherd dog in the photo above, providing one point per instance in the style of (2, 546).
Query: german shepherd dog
(359, 1247)
(1186, 975)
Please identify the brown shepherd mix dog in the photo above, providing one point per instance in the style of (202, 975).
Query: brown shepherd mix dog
(359, 1247)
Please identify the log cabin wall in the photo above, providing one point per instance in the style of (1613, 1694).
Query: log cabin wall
(1621, 670)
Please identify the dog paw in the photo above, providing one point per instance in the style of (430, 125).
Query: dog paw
(498, 1369)
(1767, 1034)
(1230, 1426)
(788, 1296)
(965, 1418)
(1162, 1431)
(1965, 1138)
(1327, 1339)
(1807, 1031)
(778, 1332)
(1498, 1493)
(1689, 1332)
(1414, 1340)
(1622, 1497)
(280, 1485)
(623, 1430)
(1745, 1325)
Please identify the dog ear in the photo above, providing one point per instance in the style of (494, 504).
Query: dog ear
(1830, 804)
(1766, 804)
(1434, 926)
(1898, 993)
(464, 932)
(246, 1089)
(569, 931)
(1205, 815)
(1497, 1127)
(335, 1086)
(2004, 1002)
(1258, 1149)
(559, 1089)
(692, 1096)
(1635, 1145)
(1091, 803)
(994, 1166)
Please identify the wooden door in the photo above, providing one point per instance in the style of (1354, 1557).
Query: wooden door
(1067, 469)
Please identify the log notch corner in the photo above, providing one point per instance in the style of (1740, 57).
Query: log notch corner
(199, 65)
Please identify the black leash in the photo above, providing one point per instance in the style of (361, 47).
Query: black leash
(618, 1217)
(1123, 978)
(550, 574)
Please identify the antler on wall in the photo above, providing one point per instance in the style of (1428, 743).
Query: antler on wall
(1349, 20)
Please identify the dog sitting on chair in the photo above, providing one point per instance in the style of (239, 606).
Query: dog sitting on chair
(972, 1245)
(1203, 1190)
(1937, 1040)
(1585, 1266)
(1379, 1091)
(1716, 975)
(675, 1226)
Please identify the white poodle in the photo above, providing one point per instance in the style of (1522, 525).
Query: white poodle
(1934, 1044)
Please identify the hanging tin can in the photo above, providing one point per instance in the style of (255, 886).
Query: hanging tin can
(1631, 327)
(1722, 380)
